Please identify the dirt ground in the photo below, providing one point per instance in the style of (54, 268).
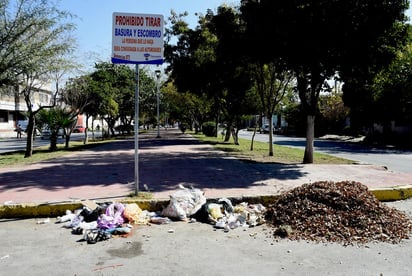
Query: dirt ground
(183, 248)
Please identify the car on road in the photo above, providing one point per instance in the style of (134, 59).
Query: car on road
(79, 129)
(276, 130)
(46, 133)
(265, 129)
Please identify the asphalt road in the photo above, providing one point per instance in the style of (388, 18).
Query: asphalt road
(183, 248)
(14, 144)
(394, 159)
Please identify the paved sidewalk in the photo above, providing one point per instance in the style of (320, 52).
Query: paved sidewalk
(107, 172)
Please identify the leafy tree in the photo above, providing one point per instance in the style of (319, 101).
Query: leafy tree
(359, 81)
(332, 113)
(272, 81)
(77, 95)
(394, 89)
(54, 119)
(319, 39)
(187, 56)
(34, 36)
(126, 97)
(208, 61)
(192, 62)
(104, 85)
(271, 73)
(147, 99)
(392, 96)
(28, 29)
(112, 89)
(187, 109)
(232, 80)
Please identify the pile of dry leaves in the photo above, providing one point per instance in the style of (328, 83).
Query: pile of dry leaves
(344, 212)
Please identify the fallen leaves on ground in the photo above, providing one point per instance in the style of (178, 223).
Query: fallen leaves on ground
(343, 212)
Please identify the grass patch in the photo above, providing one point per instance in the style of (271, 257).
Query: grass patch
(260, 153)
(43, 153)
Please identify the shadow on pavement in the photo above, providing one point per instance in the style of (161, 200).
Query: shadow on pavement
(163, 164)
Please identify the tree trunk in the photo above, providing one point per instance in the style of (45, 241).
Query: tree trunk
(30, 133)
(66, 140)
(53, 141)
(253, 137)
(310, 133)
(235, 132)
(227, 133)
(270, 118)
(86, 136)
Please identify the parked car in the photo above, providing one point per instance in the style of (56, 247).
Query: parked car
(45, 133)
(265, 129)
(79, 129)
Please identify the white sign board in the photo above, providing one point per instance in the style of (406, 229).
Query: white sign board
(137, 38)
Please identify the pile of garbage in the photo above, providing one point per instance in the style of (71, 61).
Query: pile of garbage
(344, 212)
(191, 204)
(325, 211)
(99, 222)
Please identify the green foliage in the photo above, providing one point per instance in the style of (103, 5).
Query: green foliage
(35, 39)
(209, 62)
(55, 119)
(317, 39)
(209, 129)
(33, 35)
(78, 94)
(333, 114)
(384, 96)
(113, 90)
(393, 89)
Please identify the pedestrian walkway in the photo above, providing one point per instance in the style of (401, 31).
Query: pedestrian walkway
(106, 172)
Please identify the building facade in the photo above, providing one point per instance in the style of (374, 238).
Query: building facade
(13, 108)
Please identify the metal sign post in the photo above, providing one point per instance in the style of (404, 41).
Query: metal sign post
(136, 132)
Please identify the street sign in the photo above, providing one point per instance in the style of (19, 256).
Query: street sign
(137, 38)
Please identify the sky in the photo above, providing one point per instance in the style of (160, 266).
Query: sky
(94, 20)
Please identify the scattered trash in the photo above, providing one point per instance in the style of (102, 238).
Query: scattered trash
(133, 213)
(160, 220)
(47, 220)
(184, 203)
(346, 211)
(5, 257)
(94, 236)
(99, 222)
(67, 217)
(223, 215)
(104, 267)
(112, 217)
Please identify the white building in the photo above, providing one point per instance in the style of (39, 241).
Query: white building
(13, 108)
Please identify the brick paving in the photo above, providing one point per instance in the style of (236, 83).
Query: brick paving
(107, 172)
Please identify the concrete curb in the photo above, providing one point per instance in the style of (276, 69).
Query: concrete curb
(393, 193)
(18, 211)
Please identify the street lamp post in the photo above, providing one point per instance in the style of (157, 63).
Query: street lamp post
(158, 126)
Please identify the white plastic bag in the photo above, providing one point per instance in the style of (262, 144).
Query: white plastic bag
(184, 203)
